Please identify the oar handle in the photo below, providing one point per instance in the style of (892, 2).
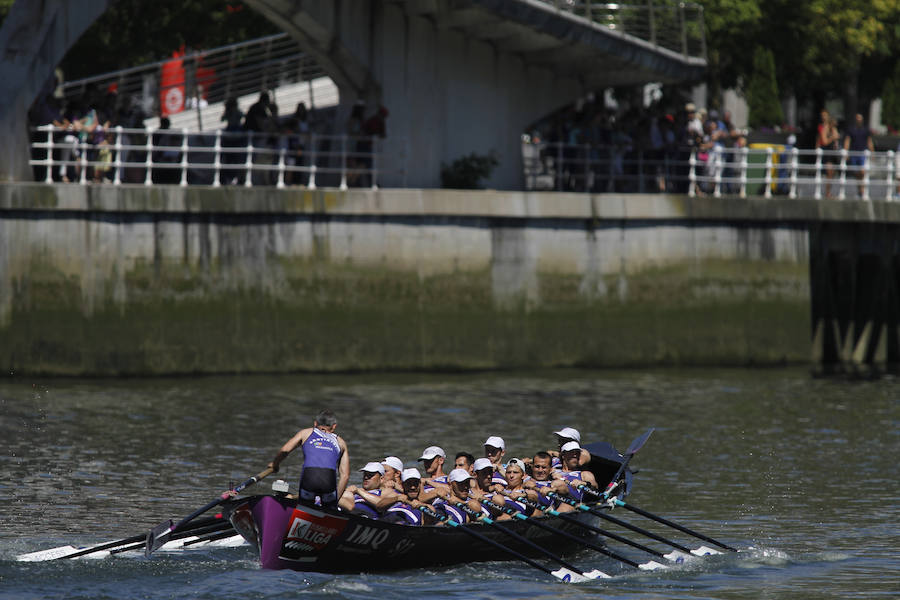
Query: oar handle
(238, 489)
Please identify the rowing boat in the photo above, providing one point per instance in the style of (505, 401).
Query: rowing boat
(296, 536)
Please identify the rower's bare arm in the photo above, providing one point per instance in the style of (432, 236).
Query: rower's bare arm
(343, 467)
(387, 498)
(289, 447)
(588, 477)
(584, 458)
(430, 495)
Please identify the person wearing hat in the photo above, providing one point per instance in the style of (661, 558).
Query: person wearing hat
(494, 450)
(460, 481)
(365, 499)
(393, 467)
(571, 473)
(433, 461)
(326, 462)
(482, 486)
(564, 436)
(404, 506)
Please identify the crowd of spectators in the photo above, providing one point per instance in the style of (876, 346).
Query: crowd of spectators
(85, 138)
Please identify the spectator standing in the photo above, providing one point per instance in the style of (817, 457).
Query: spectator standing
(232, 139)
(827, 137)
(857, 141)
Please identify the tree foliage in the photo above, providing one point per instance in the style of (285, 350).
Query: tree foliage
(890, 98)
(132, 32)
(762, 91)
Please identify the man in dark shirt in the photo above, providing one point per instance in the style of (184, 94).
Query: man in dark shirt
(858, 140)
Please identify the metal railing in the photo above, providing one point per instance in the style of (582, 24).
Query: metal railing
(675, 26)
(719, 171)
(234, 70)
(168, 156)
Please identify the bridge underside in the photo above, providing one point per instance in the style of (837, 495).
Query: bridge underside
(458, 76)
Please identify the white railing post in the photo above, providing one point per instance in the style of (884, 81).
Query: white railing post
(280, 183)
(343, 185)
(312, 162)
(889, 193)
(587, 167)
(117, 178)
(217, 161)
(692, 174)
(49, 162)
(374, 164)
(716, 160)
(744, 164)
(794, 166)
(185, 151)
(818, 191)
(867, 162)
(248, 164)
(769, 165)
(842, 194)
(148, 161)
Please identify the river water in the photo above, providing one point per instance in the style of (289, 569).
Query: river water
(798, 473)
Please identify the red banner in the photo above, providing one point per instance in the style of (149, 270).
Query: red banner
(171, 86)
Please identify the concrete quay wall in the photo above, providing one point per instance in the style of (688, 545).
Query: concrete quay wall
(160, 280)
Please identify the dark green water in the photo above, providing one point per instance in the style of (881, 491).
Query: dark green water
(800, 474)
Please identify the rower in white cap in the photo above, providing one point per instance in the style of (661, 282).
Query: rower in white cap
(393, 467)
(570, 454)
(564, 436)
(363, 500)
(433, 460)
(405, 506)
(494, 450)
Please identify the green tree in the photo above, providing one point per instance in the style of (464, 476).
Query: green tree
(890, 98)
(762, 91)
(133, 32)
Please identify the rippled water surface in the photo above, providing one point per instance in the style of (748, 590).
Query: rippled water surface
(800, 474)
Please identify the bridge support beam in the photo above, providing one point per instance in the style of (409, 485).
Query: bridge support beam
(35, 37)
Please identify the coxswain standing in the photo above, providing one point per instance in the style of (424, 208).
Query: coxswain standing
(326, 462)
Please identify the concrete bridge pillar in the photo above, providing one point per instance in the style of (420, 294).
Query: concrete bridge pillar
(449, 93)
(34, 39)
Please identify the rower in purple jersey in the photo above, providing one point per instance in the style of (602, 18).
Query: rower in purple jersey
(570, 454)
(405, 509)
(494, 450)
(433, 461)
(459, 482)
(326, 462)
(563, 437)
(541, 482)
(364, 500)
(513, 490)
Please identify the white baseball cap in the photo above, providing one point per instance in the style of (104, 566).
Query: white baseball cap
(373, 467)
(517, 462)
(570, 446)
(410, 474)
(393, 462)
(569, 433)
(459, 475)
(431, 452)
(496, 442)
(482, 463)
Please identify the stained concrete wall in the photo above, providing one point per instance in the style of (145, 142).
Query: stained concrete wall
(135, 280)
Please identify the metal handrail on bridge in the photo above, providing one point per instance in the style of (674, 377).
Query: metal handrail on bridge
(718, 171)
(675, 26)
(236, 70)
(148, 157)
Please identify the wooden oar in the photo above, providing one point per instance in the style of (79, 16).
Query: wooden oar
(562, 574)
(521, 538)
(64, 552)
(180, 535)
(572, 519)
(621, 523)
(587, 544)
(636, 444)
(157, 536)
(669, 523)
